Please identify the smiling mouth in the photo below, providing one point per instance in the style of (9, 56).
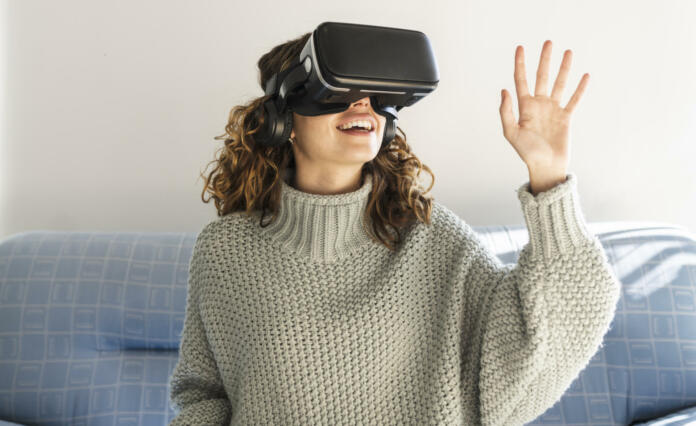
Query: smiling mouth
(356, 131)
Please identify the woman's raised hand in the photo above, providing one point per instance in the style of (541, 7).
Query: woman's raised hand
(540, 137)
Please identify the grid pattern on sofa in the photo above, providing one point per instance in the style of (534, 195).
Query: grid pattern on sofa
(90, 325)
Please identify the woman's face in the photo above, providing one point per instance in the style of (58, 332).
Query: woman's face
(318, 140)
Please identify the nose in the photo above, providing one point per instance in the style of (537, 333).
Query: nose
(363, 101)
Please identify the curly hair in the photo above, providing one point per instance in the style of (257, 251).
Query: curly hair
(246, 175)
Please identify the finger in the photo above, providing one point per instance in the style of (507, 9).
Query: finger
(578, 93)
(560, 83)
(542, 75)
(520, 75)
(507, 117)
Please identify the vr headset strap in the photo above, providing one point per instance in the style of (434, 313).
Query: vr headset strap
(290, 79)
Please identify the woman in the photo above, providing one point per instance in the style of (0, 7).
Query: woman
(364, 300)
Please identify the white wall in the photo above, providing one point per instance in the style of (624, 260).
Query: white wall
(109, 108)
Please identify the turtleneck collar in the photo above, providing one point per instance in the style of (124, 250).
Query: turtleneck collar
(323, 228)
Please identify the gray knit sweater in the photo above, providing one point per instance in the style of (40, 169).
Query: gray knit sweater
(309, 321)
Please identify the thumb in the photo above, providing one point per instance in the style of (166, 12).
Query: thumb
(506, 116)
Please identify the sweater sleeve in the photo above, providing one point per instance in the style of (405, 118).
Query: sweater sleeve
(540, 321)
(196, 389)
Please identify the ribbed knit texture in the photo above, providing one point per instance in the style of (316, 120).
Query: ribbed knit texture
(310, 322)
(321, 227)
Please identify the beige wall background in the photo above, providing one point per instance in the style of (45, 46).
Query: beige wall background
(109, 108)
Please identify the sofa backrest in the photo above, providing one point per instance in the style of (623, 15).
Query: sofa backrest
(90, 324)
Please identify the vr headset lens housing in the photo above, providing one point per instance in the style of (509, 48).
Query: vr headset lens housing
(342, 63)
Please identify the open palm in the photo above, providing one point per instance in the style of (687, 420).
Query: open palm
(540, 137)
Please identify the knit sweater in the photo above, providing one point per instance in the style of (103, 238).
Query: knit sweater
(310, 321)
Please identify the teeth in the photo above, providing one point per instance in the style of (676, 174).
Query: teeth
(364, 124)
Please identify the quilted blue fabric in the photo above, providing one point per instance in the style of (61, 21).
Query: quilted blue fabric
(90, 325)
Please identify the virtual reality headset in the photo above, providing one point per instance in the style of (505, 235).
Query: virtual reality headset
(342, 63)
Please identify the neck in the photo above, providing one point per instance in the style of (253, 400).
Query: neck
(323, 184)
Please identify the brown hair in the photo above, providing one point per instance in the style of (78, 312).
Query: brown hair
(246, 175)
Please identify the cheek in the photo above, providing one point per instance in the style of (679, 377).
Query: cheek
(329, 129)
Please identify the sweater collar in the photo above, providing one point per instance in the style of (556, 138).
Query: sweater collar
(323, 228)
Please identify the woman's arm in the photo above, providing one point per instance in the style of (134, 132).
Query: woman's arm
(196, 389)
(539, 322)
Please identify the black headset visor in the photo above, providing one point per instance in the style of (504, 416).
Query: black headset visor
(342, 63)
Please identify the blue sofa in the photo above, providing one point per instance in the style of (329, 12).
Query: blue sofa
(90, 325)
